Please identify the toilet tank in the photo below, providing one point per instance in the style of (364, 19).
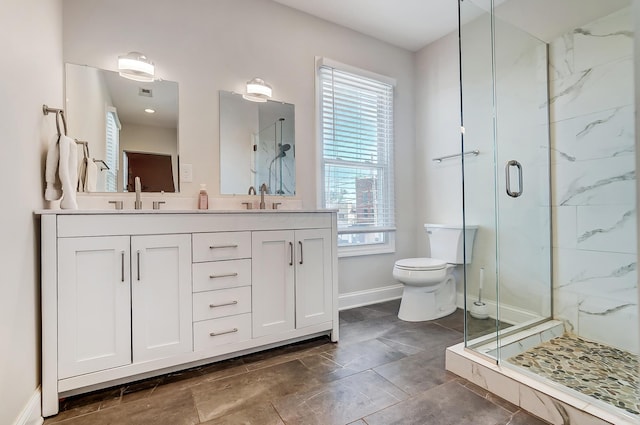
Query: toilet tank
(446, 242)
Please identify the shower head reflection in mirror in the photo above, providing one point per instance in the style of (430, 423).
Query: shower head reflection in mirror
(256, 145)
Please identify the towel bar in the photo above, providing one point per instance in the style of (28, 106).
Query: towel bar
(106, 167)
(473, 152)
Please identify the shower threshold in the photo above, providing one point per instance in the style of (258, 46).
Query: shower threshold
(528, 388)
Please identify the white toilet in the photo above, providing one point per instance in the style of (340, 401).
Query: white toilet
(429, 283)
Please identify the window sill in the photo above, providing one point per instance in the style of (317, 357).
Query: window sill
(357, 251)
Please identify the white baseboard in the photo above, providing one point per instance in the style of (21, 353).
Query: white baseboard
(369, 296)
(32, 412)
(508, 314)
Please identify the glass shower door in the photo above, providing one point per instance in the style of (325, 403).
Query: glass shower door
(522, 176)
(507, 187)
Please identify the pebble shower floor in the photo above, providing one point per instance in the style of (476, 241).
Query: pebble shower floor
(602, 372)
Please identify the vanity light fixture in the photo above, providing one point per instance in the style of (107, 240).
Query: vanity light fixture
(257, 90)
(150, 111)
(136, 66)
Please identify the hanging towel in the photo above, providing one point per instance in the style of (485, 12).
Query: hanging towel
(82, 173)
(83, 160)
(68, 171)
(91, 176)
(52, 191)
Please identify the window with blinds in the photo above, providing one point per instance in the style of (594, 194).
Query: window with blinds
(356, 115)
(113, 147)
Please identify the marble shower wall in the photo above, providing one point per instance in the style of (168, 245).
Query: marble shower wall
(594, 179)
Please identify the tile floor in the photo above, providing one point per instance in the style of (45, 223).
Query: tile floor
(383, 371)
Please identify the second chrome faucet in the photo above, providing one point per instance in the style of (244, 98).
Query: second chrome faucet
(252, 191)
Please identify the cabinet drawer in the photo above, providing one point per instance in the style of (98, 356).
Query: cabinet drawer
(216, 332)
(225, 302)
(221, 274)
(221, 246)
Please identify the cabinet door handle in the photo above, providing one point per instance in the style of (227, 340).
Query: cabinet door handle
(122, 271)
(223, 246)
(300, 242)
(223, 332)
(291, 253)
(138, 258)
(223, 304)
(217, 276)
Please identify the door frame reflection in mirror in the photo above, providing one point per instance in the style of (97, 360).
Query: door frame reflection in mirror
(91, 92)
(257, 145)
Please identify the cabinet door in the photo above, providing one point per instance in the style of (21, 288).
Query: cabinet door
(161, 296)
(272, 271)
(94, 301)
(314, 300)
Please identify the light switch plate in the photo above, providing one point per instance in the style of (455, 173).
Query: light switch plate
(186, 173)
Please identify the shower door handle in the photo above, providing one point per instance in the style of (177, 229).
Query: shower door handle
(507, 169)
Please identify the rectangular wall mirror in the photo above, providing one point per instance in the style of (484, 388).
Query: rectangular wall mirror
(127, 128)
(256, 145)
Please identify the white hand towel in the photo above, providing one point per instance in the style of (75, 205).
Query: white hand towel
(68, 171)
(52, 190)
(91, 178)
(82, 173)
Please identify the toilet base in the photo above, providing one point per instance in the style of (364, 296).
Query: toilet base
(421, 303)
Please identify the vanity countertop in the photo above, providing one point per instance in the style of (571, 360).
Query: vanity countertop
(168, 211)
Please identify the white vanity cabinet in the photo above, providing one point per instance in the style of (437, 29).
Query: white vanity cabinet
(122, 300)
(291, 269)
(94, 304)
(273, 273)
(160, 296)
(314, 300)
(127, 295)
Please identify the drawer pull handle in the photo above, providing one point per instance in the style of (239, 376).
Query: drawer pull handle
(216, 276)
(223, 305)
(223, 246)
(225, 332)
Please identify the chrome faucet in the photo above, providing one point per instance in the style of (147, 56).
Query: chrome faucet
(263, 190)
(252, 189)
(138, 186)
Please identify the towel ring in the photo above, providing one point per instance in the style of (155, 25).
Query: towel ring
(59, 113)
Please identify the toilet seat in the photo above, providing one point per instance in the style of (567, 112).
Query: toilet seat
(421, 264)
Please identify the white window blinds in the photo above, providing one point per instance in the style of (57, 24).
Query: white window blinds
(113, 147)
(357, 145)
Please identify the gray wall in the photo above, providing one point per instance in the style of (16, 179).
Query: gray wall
(228, 43)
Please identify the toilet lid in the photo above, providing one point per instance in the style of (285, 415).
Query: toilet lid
(421, 264)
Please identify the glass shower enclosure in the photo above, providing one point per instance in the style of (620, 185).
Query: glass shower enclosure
(507, 186)
(547, 100)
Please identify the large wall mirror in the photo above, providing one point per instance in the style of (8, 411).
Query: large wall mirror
(126, 128)
(256, 145)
